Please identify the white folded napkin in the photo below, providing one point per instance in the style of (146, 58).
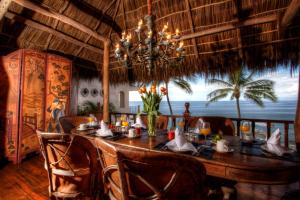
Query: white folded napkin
(104, 130)
(139, 123)
(275, 137)
(273, 144)
(179, 143)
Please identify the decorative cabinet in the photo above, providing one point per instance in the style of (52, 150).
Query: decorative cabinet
(34, 93)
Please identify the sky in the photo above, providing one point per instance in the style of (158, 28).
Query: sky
(286, 88)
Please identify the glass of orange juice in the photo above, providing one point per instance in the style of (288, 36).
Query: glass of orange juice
(205, 129)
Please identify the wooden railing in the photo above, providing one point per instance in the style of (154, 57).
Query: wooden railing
(173, 119)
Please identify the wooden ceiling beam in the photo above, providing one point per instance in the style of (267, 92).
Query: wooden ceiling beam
(96, 27)
(56, 33)
(289, 14)
(61, 11)
(4, 5)
(219, 29)
(29, 5)
(191, 22)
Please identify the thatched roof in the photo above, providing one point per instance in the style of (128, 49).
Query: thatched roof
(219, 35)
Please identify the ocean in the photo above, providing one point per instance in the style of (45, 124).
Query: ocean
(281, 110)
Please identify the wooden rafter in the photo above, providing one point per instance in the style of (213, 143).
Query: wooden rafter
(61, 11)
(249, 22)
(289, 14)
(124, 16)
(114, 17)
(4, 4)
(238, 30)
(60, 17)
(189, 12)
(54, 32)
(96, 27)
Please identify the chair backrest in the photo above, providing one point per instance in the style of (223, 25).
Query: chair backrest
(67, 123)
(161, 121)
(138, 174)
(216, 123)
(72, 165)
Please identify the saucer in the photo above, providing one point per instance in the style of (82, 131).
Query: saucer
(83, 129)
(229, 151)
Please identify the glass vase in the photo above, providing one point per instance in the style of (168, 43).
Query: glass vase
(151, 125)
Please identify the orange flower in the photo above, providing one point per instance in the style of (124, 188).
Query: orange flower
(140, 91)
(143, 89)
(153, 90)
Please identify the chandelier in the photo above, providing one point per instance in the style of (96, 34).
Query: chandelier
(151, 49)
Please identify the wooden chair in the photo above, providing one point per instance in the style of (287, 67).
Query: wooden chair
(216, 123)
(161, 121)
(67, 123)
(137, 174)
(72, 166)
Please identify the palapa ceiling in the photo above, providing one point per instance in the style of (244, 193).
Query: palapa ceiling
(219, 35)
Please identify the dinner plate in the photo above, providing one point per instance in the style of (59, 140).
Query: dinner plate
(229, 151)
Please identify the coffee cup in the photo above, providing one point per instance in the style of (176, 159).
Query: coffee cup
(222, 146)
(131, 133)
(118, 123)
(82, 126)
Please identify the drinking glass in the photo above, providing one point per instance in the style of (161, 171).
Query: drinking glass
(205, 129)
(246, 131)
(245, 128)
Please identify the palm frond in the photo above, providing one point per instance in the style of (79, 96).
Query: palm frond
(256, 99)
(217, 98)
(219, 92)
(184, 85)
(219, 82)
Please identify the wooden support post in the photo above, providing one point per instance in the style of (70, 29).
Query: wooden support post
(297, 119)
(253, 128)
(268, 129)
(4, 4)
(105, 82)
(286, 135)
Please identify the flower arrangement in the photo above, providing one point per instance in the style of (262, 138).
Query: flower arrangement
(151, 100)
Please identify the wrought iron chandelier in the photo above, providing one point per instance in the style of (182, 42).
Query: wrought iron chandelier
(151, 49)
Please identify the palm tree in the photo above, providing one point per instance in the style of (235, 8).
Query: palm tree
(181, 84)
(239, 83)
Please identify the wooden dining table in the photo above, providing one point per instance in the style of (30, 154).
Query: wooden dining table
(234, 166)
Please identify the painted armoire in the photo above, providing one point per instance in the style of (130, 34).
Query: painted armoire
(34, 93)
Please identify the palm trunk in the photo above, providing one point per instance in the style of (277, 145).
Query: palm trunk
(238, 107)
(168, 99)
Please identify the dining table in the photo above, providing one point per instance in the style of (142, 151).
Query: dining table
(243, 164)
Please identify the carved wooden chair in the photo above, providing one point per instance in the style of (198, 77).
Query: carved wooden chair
(136, 174)
(67, 123)
(161, 121)
(72, 166)
(216, 123)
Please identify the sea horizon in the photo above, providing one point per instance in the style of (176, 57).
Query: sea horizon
(281, 110)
